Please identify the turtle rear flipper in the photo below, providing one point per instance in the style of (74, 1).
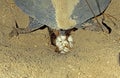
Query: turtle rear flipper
(33, 25)
(96, 26)
(17, 31)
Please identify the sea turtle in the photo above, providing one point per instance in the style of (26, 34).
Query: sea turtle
(61, 17)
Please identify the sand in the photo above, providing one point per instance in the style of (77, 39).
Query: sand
(95, 54)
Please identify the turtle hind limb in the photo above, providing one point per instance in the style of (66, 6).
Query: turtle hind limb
(16, 31)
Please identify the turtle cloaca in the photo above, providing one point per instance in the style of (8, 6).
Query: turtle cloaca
(61, 17)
